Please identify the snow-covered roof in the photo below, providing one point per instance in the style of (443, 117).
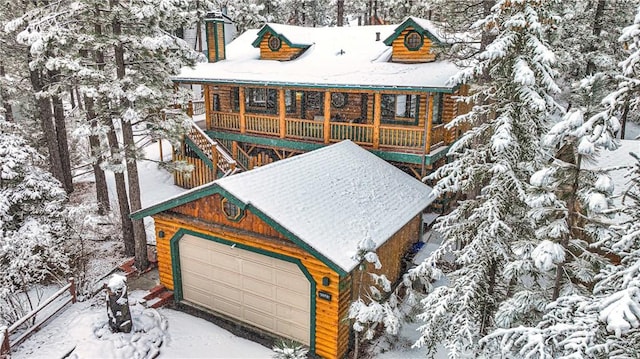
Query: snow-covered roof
(331, 199)
(338, 57)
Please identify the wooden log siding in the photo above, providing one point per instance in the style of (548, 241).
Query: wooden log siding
(400, 53)
(449, 112)
(390, 255)
(285, 52)
(326, 314)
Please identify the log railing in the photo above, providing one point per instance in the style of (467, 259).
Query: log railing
(6, 343)
(358, 133)
(405, 137)
(400, 137)
(437, 136)
(225, 121)
(214, 152)
(264, 125)
(304, 129)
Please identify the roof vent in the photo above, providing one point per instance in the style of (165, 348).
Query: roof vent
(377, 36)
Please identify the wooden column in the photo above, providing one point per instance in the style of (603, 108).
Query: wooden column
(377, 112)
(427, 144)
(208, 107)
(282, 111)
(214, 159)
(327, 116)
(243, 122)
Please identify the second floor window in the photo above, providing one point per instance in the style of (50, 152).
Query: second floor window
(261, 100)
(400, 109)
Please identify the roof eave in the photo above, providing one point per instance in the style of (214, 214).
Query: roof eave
(190, 80)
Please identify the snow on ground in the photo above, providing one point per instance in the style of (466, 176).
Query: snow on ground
(83, 331)
(156, 184)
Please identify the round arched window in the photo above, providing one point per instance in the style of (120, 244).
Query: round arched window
(274, 43)
(413, 40)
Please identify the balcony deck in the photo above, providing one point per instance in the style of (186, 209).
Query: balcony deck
(404, 139)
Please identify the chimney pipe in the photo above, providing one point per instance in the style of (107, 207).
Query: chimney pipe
(377, 36)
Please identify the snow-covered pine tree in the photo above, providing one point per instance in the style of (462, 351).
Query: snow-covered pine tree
(602, 324)
(35, 29)
(34, 240)
(495, 159)
(579, 37)
(569, 204)
(606, 322)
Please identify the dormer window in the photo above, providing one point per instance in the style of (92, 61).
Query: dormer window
(413, 40)
(274, 43)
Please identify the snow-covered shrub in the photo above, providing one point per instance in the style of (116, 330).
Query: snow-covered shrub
(289, 349)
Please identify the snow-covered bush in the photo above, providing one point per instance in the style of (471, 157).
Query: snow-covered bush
(289, 349)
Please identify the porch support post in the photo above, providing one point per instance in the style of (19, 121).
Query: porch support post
(327, 116)
(427, 144)
(377, 112)
(208, 107)
(243, 122)
(282, 111)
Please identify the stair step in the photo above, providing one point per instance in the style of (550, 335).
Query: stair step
(154, 292)
(162, 299)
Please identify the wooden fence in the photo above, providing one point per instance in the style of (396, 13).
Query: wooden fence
(5, 341)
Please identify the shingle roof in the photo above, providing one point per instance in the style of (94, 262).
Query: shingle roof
(336, 57)
(330, 199)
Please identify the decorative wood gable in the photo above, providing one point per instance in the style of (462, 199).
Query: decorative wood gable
(275, 45)
(413, 42)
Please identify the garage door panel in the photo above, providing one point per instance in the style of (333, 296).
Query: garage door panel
(230, 308)
(257, 270)
(293, 282)
(260, 319)
(228, 261)
(263, 291)
(230, 278)
(292, 298)
(259, 303)
(224, 291)
(258, 287)
(193, 279)
(197, 296)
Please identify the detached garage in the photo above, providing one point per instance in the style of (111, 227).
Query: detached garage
(275, 249)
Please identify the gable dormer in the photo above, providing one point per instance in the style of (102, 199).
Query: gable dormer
(280, 42)
(414, 41)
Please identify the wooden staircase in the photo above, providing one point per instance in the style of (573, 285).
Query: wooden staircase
(209, 159)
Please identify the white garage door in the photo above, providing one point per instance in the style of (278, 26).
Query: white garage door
(265, 292)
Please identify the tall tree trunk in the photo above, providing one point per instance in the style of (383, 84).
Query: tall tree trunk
(45, 114)
(597, 29)
(102, 192)
(63, 145)
(340, 12)
(123, 198)
(139, 234)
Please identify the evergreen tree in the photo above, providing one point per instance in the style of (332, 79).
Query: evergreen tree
(34, 231)
(495, 159)
(604, 322)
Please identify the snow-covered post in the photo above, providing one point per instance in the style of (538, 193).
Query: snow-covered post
(118, 304)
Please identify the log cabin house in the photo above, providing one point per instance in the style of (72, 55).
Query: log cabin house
(283, 90)
(276, 248)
